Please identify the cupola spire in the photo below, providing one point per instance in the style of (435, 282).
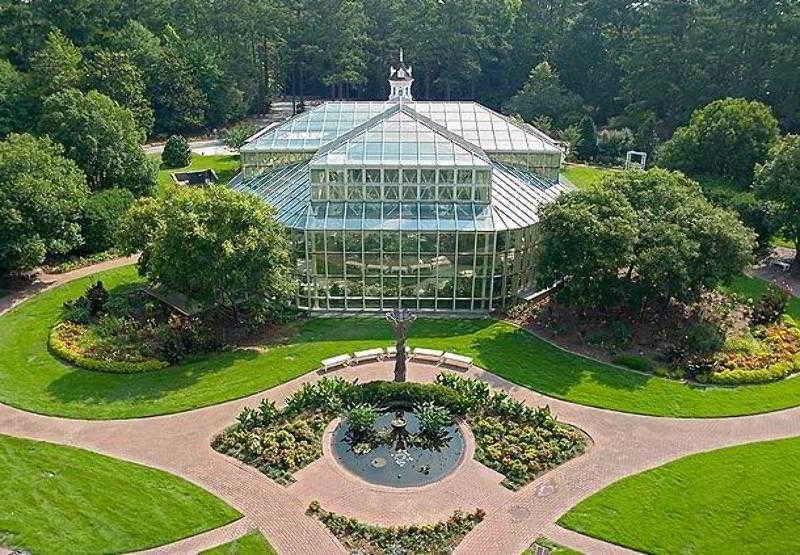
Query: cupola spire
(400, 81)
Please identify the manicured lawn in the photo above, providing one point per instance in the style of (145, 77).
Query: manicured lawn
(743, 499)
(555, 548)
(225, 166)
(753, 288)
(252, 543)
(584, 177)
(32, 379)
(59, 499)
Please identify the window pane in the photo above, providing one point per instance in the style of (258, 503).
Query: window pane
(373, 192)
(409, 192)
(319, 192)
(355, 192)
(391, 192)
(336, 176)
(446, 176)
(482, 193)
(465, 176)
(427, 193)
(445, 192)
(317, 176)
(482, 177)
(409, 176)
(373, 175)
(427, 176)
(355, 176)
(391, 176)
(336, 192)
(464, 192)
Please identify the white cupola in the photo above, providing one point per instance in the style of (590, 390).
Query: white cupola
(400, 81)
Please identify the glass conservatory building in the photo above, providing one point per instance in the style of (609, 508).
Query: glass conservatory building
(427, 205)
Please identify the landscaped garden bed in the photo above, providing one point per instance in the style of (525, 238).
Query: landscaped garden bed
(435, 539)
(513, 439)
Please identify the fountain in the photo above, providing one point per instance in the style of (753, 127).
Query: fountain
(398, 454)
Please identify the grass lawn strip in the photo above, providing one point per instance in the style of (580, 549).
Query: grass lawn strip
(224, 165)
(742, 499)
(32, 379)
(60, 499)
(252, 543)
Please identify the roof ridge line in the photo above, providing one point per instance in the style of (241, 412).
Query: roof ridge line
(445, 132)
(356, 131)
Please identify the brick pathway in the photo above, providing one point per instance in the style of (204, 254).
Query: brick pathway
(623, 444)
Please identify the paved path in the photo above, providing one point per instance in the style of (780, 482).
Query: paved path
(623, 444)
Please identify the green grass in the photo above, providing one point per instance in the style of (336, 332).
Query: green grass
(584, 177)
(753, 288)
(59, 499)
(225, 166)
(555, 548)
(32, 379)
(252, 543)
(743, 499)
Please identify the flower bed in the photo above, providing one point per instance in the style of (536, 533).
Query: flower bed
(512, 438)
(771, 353)
(438, 538)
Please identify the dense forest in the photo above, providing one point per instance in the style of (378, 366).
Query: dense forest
(186, 65)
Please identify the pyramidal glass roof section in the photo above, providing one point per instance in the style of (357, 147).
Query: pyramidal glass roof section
(517, 197)
(484, 128)
(400, 136)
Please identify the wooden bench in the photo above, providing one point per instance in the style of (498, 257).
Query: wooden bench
(335, 362)
(431, 355)
(391, 352)
(460, 361)
(369, 354)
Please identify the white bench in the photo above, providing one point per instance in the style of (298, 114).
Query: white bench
(431, 355)
(780, 265)
(391, 352)
(369, 354)
(334, 362)
(452, 359)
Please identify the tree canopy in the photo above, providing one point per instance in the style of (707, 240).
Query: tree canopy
(102, 137)
(778, 181)
(215, 245)
(639, 238)
(41, 196)
(727, 138)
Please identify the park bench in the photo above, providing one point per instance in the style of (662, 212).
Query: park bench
(431, 355)
(335, 362)
(460, 361)
(369, 354)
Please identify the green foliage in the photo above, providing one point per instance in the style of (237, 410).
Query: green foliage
(614, 144)
(361, 417)
(381, 393)
(727, 138)
(236, 136)
(778, 181)
(115, 75)
(216, 246)
(14, 103)
(102, 137)
(544, 95)
(441, 537)
(432, 418)
(177, 153)
(41, 196)
(770, 306)
(57, 66)
(100, 216)
(586, 147)
(638, 238)
(178, 101)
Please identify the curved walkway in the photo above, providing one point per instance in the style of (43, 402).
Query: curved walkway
(623, 444)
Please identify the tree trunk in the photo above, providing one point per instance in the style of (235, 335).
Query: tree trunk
(796, 263)
(400, 362)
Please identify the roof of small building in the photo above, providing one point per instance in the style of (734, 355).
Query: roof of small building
(481, 127)
(516, 198)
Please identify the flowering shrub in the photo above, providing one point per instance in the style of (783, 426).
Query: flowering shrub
(441, 537)
(772, 353)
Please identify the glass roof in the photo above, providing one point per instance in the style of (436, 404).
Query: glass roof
(400, 137)
(477, 124)
(517, 196)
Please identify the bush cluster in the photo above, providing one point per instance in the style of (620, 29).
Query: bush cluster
(441, 537)
(640, 364)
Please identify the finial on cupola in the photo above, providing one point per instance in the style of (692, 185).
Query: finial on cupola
(400, 81)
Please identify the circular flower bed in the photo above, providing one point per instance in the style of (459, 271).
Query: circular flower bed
(518, 441)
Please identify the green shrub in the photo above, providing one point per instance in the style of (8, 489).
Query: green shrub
(177, 153)
(634, 362)
(361, 417)
(100, 216)
(432, 418)
(770, 306)
(63, 350)
(410, 394)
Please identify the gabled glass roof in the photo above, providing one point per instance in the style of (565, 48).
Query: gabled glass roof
(516, 199)
(400, 137)
(476, 124)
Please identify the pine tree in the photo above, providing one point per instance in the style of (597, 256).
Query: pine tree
(586, 148)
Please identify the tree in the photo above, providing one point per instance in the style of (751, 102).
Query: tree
(177, 153)
(586, 147)
(103, 138)
(41, 195)
(14, 103)
(114, 75)
(236, 136)
(639, 238)
(100, 217)
(56, 67)
(217, 246)
(778, 181)
(726, 139)
(179, 103)
(544, 95)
